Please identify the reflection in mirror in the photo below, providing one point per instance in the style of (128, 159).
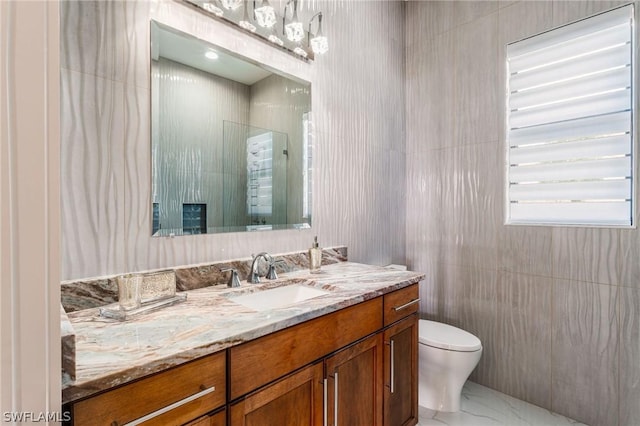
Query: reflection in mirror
(230, 141)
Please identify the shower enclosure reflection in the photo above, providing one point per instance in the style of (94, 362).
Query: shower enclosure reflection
(229, 138)
(255, 178)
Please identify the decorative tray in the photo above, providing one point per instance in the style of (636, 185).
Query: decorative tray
(122, 315)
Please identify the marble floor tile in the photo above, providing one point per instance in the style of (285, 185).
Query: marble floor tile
(481, 406)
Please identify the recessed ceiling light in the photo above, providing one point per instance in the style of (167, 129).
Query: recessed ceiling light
(211, 54)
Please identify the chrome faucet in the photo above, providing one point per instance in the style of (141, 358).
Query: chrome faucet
(254, 277)
(234, 281)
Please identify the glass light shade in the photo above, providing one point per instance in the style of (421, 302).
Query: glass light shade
(300, 51)
(294, 31)
(265, 16)
(275, 39)
(320, 45)
(231, 4)
(247, 26)
(210, 7)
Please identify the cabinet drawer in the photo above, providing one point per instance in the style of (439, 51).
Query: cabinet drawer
(400, 303)
(143, 397)
(258, 362)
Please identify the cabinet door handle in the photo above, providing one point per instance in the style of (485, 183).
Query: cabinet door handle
(393, 369)
(171, 407)
(413, 302)
(335, 399)
(324, 401)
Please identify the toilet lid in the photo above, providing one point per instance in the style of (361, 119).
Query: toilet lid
(444, 336)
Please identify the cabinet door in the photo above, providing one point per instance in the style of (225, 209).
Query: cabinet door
(354, 378)
(217, 419)
(401, 373)
(296, 400)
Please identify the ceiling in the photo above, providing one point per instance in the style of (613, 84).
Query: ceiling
(191, 51)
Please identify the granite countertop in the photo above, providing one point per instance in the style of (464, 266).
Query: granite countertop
(110, 353)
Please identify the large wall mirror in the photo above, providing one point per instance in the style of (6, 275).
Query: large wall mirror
(230, 141)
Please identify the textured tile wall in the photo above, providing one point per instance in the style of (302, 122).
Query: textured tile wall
(557, 309)
(193, 145)
(359, 157)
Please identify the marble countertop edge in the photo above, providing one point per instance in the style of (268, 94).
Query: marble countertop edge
(349, 284)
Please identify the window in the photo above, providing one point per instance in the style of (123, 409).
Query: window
(194, 219)
(570, 124)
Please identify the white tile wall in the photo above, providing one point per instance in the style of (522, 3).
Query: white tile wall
(105, 146)
(554, 307)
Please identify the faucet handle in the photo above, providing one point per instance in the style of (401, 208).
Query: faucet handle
(234, 281)
(271, 275)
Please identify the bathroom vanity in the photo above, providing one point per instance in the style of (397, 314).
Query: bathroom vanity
(345, 357)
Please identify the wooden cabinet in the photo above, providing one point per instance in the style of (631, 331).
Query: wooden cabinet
(172, 397)
(263, 360)
(345, 388)
(370, 356)
(400, 375)
(355, 366)
(401, 357)
(295, 400)
(354, 382)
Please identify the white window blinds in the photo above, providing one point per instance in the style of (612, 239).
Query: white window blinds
(570, 140)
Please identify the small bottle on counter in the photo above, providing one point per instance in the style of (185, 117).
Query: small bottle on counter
(315, 257)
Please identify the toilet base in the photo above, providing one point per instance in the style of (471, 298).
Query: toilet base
(441, 377)
(446, 401)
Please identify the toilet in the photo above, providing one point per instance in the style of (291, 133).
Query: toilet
(447, 356)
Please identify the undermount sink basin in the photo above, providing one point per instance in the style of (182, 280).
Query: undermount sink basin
(278, 297)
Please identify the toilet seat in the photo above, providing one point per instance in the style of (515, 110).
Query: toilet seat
(447, 337)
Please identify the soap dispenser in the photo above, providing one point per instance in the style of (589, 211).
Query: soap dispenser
(315, 257)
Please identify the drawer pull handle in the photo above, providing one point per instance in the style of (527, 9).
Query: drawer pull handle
(324, 401)
(171, 407)
(413, 302)
(393, 369)
(335, 398)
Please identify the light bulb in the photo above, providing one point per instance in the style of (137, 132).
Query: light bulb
(265, 15)
(320, 44)
(210, 7)
(294, 31)
(231, 4)
(300, 51)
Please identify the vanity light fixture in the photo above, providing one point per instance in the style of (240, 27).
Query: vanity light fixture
(281, 27)
(265, 15)
(319, 42)
(231, 4)
(294, 29)
(211, 54)
(213, 8)
(245, 23)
